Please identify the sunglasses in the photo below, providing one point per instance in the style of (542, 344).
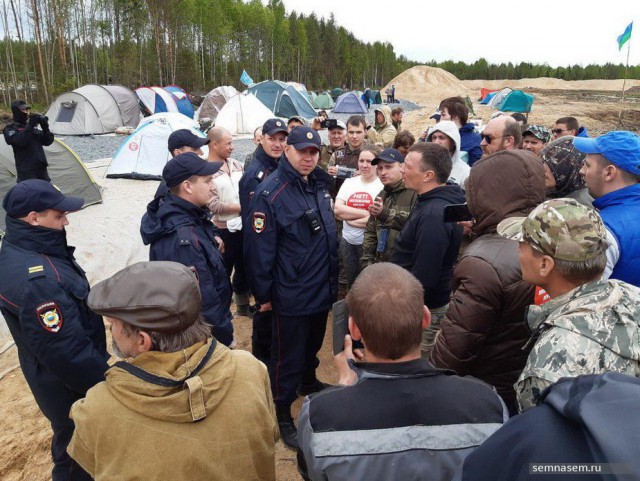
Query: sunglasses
(558, 131)
(488, 139)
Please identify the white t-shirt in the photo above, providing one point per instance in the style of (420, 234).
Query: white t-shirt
(356, 193)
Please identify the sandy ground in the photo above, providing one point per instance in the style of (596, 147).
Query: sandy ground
(107, 239)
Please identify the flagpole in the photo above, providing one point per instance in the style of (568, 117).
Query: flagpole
(624, 82)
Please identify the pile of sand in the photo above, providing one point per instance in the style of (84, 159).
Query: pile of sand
(427, 85)
(545, 83)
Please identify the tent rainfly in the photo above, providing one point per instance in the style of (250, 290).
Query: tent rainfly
(154, 100)
(185, 106)
(214, 101)
(144, 153)
(94, 109)
(517, 101)
(350, 103)
(499, 97)
(324, 101)
(66, 170)
(283, 99)
(243, 114)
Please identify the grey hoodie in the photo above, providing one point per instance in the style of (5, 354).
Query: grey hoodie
(460, 170)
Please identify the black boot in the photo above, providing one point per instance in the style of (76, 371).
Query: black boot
(288, 431)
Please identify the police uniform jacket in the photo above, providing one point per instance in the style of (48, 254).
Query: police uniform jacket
(180, 231)
(258, 170)
(27, 142)
(291, 248)
(61, 342)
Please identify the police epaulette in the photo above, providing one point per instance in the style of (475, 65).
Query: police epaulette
(36, 271)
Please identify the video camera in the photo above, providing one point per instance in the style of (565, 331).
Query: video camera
(345, 172)
(329, 124)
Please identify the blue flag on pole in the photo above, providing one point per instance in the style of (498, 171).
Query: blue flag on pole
(245, 79)
(622, 39)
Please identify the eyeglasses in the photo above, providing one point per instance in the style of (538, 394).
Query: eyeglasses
(559, 131)
(488, 139)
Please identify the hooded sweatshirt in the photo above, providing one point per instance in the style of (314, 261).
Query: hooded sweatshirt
(204, 412)
(459, 170)
(591, 329)
(470, 142)
(484, 331)
(585, 419)
(428, 247)
(385, 132)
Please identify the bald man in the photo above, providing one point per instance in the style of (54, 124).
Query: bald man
(501, 133)
(225, 206)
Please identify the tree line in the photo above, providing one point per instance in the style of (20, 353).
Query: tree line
(52, 46)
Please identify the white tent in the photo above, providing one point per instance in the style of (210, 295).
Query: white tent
(157, 99)
(499, 97)
(243, 114)
(144, 153)
(214, 101)
(94, 109)
(172, 118)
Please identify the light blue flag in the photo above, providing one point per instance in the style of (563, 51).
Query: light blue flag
(245, 79)
(622, 39)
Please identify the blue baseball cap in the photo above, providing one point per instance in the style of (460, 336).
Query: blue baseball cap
(184, 137)
(183, 166)
(302, 137)
(36, 195)
(621, 148)
(273, 126)
(388, 155)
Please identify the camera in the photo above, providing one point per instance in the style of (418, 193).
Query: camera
(345, 172)
(329, 124)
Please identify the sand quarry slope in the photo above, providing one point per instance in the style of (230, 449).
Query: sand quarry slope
(596, 103)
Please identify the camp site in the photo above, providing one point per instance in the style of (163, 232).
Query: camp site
(113, 83)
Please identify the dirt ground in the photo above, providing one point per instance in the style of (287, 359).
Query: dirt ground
(100, 230)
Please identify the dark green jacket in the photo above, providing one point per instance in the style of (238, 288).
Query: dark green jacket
(398, 202)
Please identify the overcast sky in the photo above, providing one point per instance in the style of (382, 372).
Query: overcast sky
(559, 32)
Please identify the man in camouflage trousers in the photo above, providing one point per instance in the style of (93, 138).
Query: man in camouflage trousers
(590, 326)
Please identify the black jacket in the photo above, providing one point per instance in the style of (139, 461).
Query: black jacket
(27, 142)
(61, 342)
(259, 169)
(428, 247)
(586, 419)
(180, 231)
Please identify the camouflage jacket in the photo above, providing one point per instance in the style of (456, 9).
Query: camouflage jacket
(594, 328)
(398, 202)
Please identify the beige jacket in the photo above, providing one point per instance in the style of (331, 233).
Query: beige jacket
(385, 132)
(163, 416)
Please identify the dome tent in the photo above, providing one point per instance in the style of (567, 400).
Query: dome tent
(94, 109)
(214, 101)
(185, 106)
(156, 100)
(243, 114)
(324, 101)
(66, 170)
(282, 99)
(144, 153)
(350, 103)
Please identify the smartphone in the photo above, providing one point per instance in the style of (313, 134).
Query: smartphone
(340, 314)
(457, 213)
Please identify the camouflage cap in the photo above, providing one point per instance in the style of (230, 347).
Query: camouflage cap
(538, 131)
(561, 228)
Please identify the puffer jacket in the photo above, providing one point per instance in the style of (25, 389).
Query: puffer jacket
(484, 330)
(397, 203)
(385, 132)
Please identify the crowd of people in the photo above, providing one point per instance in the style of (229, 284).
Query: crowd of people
(492, 288)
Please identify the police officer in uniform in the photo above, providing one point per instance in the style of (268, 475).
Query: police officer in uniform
(178, 228)
(27, 141)
(264, 163)
(292, 259)
(43, 291)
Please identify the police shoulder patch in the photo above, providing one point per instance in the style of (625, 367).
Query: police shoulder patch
(50, 316)
(259, 222)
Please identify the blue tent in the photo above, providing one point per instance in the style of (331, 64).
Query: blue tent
(350, 103)
(517, 101)
(488, 98)
(283, 99)
(182, 100)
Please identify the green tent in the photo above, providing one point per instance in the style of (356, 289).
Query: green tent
(66, 170)
(375, 97)
(324, 101)
(517, 101)
(336, 92)
(312, 98)
(283, 99)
